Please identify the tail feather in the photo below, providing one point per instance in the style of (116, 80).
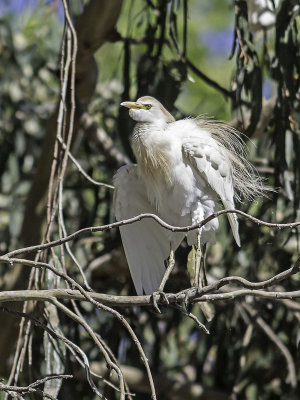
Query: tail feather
(235, 228)
(233, 220)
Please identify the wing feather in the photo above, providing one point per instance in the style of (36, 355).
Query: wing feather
(210, 161)
(146, 243)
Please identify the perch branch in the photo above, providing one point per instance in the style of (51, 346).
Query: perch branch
(132, 301)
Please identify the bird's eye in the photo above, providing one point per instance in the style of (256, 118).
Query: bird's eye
(147, 106)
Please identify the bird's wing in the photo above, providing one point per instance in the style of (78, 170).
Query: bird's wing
(146, 243)
(211, 161)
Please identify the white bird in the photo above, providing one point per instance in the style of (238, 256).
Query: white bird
(183, 168)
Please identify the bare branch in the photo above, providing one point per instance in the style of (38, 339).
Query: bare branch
(32, 387)
(81, 170)
(244, 282)
(133, 301)
(139, 218)
(75, 350)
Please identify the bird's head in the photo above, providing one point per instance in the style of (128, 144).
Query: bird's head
(147, 109)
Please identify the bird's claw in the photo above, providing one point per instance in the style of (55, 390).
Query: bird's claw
(161, 294)
(189, 294)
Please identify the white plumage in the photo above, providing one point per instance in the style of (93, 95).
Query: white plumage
(183, 168)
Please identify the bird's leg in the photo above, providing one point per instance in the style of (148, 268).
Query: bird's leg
(171, 263)
(202, 276)
(199, 268)
(198, 263)
(199, 273)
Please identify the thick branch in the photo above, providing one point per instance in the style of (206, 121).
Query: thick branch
(130, 301)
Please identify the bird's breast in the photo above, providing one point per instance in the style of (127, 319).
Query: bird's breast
(153, 152)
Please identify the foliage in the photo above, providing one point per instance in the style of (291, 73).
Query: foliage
(157, 48)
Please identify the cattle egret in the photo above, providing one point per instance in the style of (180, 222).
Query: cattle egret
(183, 169)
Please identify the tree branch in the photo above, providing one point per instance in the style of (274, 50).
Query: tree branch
(32, 387)
(139, 218)
(132, 301)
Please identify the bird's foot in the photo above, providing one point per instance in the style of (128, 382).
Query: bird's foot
(162, 295)
(190, 293)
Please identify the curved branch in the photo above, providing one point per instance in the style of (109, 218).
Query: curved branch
(80, 169)
(244, 282)
(139, 218)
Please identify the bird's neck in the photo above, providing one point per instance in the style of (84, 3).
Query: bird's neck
(143, 130)
(147, 136)
(151, 149)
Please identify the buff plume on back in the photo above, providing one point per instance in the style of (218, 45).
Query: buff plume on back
(184, 168)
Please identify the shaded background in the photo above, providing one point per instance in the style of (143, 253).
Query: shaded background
(219, 58)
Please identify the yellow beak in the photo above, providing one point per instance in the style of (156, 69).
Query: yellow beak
(132, 104)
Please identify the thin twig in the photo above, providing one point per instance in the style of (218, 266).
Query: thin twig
(75, 350)
(87, 296)
(103, 142)
(32, 387)
(193, 317)
(94, 337)
(211, 82)
(81, 170)
(244, 282)
(64, 231)
(137, 218)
